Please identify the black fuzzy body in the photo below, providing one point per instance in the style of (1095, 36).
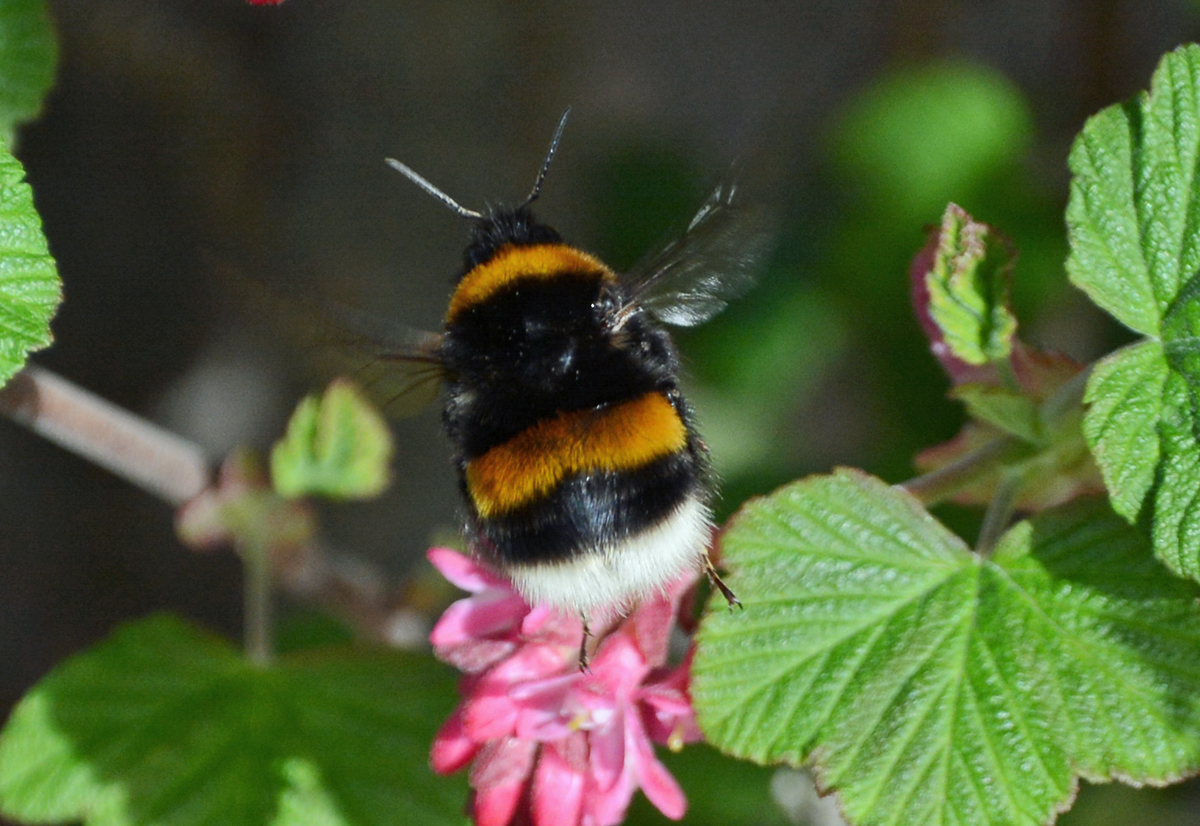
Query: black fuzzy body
(545, 346)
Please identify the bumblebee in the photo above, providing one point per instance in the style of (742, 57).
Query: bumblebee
(578, 458)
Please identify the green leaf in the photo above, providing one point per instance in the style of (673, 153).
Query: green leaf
(30, 291)
(27, 57)
(1133, 217)
(1134, 223)
(967, 290)
(1121, 426)
(338, 446)
(162, 724)
(929, 685)
(1175, 528)
(1012, 412)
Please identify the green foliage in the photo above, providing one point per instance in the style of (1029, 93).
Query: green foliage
(27, 56)
(930, 685)
(1007, 410)
(928, 135)
(968, 286)
(741, 798)
(162, 724)
(1134, 227)
(30, 291)
(338, 446)
(1126, 397)
(915, 140)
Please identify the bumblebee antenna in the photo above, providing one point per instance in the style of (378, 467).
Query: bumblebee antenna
(537, 184)
(442, 196)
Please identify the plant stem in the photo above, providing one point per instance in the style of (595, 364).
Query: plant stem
(256, 596)
(1000, 511)
(1066, 399)
(154, 459)
(939, 485)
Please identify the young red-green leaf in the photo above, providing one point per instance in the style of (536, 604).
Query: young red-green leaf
(27, 57)
(1134, 224)
(961, 293)
(163, 724)
(929, 685)
(1028, 431)
(338, 446)
(30, 291)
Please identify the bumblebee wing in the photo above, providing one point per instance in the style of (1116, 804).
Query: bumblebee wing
(399, 366)
(693, 278)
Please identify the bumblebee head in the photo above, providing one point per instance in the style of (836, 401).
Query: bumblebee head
(502, 226)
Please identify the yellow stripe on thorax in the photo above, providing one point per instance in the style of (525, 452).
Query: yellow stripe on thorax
(530, 465)
(512, 263)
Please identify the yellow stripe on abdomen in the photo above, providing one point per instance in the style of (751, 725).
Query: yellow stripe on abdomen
(530, 465)
(512, 263)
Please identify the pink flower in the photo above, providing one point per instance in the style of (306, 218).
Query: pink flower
(548, 743)
(478, 631)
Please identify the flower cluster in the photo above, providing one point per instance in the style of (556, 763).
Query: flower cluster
(549, 743)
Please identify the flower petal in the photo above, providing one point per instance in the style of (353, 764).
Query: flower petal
(545, 624)
(546, 713)
(650, 625)
(452, 748)
(478, 631)
(557, 791)
(490, 710)
(607, 757)
(489, 716)
(490, 614)
(666, 707)
(498, 778)
(657, 783)
(474, 657)
(607, 808)
(619, 667)
(661, 789)
(465, 572)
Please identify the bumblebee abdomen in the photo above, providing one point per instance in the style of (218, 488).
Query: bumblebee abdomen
(609, 503)
(614, 439)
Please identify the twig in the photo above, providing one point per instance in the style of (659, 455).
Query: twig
(154, 459)
(177, 471)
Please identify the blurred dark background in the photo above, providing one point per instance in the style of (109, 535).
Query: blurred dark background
(188, 141)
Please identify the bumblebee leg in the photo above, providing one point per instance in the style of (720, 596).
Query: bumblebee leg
(583, 645)
(715, 579)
